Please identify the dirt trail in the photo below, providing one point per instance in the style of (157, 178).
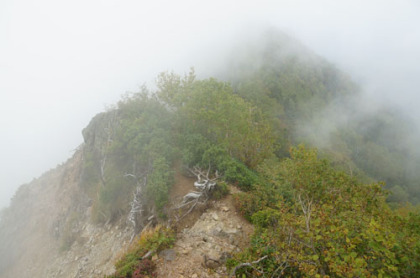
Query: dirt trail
(205, 238)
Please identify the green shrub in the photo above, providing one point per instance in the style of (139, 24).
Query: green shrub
(159, 184)
(112, 198)
(221, 190)
(248, 204)
(237, 173)
(265, 218)
(90, 177)
(151, 240)
(233, 170)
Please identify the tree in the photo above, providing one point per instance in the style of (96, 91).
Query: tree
(331, 225)
(223, 118)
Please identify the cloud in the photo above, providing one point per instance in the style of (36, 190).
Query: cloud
(61, 62)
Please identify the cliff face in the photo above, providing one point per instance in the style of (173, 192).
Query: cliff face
(47, 232)
(48, 229)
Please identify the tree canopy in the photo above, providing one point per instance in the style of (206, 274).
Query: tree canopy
(317, 212)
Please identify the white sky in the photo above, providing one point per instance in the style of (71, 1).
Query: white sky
(61, 62)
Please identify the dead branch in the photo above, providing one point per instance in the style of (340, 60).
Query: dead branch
(204, 182)
(204, 185)
(136, 213)
(248, 265)
(281, 268)
(193, 195)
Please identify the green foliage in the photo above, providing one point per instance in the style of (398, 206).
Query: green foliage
(238, 174)
(144, 132)
(288, 81)
(256, 200)
(140, 144)
(90, 177)
(158, 184)
(306, 99)
(221, 190)
(203, 153)
(266, 217)
(174, 90)
(311, 218)
(152, 240)
(206, 122)
(210, 109)
(332, 225)
(197, 150)
(111, 200)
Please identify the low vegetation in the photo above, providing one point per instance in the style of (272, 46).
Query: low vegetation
(317, 213)
(315, 221)
(137, 261)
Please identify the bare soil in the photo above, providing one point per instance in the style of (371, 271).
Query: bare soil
(205, 238)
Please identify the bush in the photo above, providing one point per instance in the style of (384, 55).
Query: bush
(237, 173)
(220, 191)
(248, 204)
(150, 240)
(112, 198)
(332, 225)
(145, 268)
(266, 218)
(159, 183)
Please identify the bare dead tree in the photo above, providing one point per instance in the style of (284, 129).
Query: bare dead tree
(204, 182)
(102, 168)
(204, 185)
(135, 216)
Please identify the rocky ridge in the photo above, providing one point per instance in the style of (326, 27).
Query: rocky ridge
(202, 249)
(47, 232)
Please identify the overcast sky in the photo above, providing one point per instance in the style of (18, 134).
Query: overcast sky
(61, 62)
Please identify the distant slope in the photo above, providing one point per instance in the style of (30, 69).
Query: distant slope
(310, 100)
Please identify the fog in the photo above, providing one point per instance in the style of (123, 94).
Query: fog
(61, 62)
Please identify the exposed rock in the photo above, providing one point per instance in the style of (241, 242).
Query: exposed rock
(168, 254)
(53, 208)
(58, 210)
(210, 262)
(96, 135)
(205, 247)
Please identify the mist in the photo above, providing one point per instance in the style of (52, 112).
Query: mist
(63, 62)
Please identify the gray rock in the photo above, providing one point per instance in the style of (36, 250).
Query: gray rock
(168, 254)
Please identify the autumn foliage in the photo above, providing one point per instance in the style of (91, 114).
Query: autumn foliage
(324, 223)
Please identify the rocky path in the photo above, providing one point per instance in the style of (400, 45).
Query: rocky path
(202, 249)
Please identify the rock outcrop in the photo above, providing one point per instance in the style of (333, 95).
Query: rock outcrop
(48, 231)
(202, 249)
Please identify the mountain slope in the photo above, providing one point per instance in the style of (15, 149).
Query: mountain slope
(82, 217)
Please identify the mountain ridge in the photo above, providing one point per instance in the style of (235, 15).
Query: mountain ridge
(73, 220)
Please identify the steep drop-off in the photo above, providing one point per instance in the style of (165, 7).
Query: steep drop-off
(242, 134)
(47, 231)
